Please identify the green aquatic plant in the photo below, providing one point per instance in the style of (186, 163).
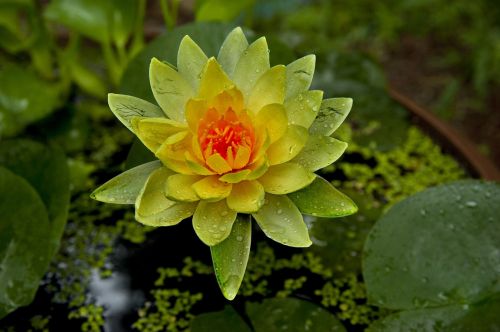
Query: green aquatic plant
(236, 139)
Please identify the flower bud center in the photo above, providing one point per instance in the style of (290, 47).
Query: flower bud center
(224, 134)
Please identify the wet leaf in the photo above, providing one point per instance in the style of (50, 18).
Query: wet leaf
(482, 317)
(226, 320)
(291, 315)
(25, 236)
(24, 98)
(45, 168)
(230, 257)
(438, 247)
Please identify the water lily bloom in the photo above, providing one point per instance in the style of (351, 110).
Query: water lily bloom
(235, 140)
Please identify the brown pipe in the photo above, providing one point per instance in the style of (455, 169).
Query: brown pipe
(463, 147)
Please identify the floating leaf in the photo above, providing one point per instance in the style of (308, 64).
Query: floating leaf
(291, 315)
(438, 247)
(226, 320)
(25, 233)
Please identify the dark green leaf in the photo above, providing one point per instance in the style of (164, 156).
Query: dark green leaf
(101, 21)
(24, 98)
(438, 247)
(482, 317)
(321, 199)
(222, 10)
(24, 241)
(226, 320)
(291, 315)
(45, 168)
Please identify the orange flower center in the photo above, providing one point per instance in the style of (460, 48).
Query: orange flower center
(224, 134)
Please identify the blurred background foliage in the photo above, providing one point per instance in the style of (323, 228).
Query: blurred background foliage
(445, 55)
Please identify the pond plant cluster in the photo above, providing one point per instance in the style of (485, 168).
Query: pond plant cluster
(415, 247)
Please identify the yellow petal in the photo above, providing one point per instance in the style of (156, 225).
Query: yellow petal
(253, 63)
(195, 110)
(175, 146)
(210, 188)
(190, 61)
(258, 169)
(286, 178)
(178, 166)
(213, 222)
(153, 208)
(213, 80)
(242, 157)
(196, 166)
(299, 75)
(288, 146)
(269, 89)
(154, 131)
(218, 164)
(273, 118)
(178, 187)
(170, 89)
(231, 50)
(303, 108)
(235, 177)
(246, 197)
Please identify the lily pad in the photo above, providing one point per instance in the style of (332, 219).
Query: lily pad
(34, 212)
(456, 318)
(226, 320)
(439, 247)
(291, 315)
(24, 233)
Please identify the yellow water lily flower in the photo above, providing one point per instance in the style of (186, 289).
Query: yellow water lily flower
(234, 137)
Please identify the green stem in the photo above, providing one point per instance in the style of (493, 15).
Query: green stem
(112, 64)
(138, 37)
(166, 13)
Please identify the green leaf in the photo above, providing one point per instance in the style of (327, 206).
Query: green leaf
(127, 107)
(46, 169)
(292, 315)
(209, 36)
(101, 21)
(153, 208)
(438, 247)
(25, 249)
(226, 320)
(125, 187)
(230, 257)
(321, 199)
(332, 113)
(31, 234)
(222, 10)
(24, 98)
(281, 221)
(320, 151)
(482, 317)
